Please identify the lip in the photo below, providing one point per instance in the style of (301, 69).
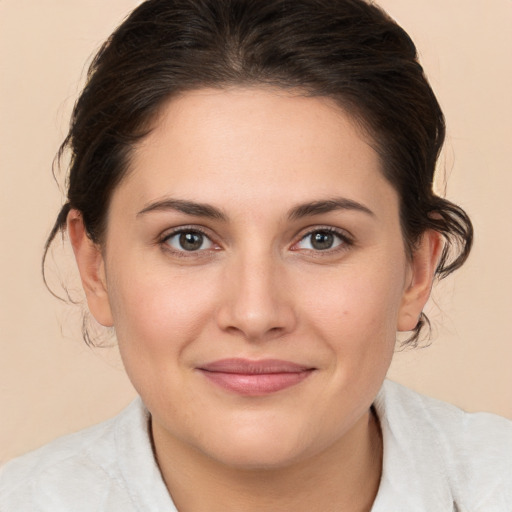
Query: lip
(255, 377)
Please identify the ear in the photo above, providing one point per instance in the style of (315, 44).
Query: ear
(91, 267)
(422, 267)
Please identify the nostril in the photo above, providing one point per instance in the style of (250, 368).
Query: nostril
(254, 309)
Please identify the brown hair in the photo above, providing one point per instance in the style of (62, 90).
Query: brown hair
(349, 50)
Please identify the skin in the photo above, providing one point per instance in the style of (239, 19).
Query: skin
(257, 288)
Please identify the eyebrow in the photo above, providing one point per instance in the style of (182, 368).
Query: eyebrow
(298, 212)
(187, 207)
(326, 206)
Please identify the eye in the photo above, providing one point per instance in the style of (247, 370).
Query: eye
(321, 240)
(189, 240)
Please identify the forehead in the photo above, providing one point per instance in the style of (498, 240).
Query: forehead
(254, 143)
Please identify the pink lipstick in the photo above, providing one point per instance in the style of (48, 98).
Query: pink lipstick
(255, 378)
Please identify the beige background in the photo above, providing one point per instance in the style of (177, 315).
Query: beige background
(51, 383)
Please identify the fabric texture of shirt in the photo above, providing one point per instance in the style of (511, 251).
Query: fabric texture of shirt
(436, 458)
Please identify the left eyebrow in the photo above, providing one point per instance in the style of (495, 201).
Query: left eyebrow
(326, 206)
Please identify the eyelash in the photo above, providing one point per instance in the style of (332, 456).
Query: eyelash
(345, 241)
(164, 242)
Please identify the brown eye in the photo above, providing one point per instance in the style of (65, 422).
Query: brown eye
(322, 240)
(189, 241)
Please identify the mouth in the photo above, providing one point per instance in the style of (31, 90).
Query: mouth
(255, 378)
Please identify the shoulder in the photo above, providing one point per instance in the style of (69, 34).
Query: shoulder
(471, 452)
(78, 471)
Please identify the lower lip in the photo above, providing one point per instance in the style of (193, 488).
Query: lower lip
(256, 384)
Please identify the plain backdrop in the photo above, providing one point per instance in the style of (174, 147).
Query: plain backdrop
(51, 383)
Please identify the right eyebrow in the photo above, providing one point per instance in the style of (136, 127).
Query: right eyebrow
(187, 207)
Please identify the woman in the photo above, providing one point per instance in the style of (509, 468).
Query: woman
(250, 206)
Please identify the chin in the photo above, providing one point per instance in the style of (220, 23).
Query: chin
(268, 447)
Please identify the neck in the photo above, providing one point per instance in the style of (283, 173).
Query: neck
(345, 476)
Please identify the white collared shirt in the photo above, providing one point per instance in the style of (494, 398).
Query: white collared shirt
(437, 458)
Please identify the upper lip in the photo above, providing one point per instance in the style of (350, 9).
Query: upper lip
(253, 367)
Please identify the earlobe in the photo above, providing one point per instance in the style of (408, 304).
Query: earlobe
(91, 267)
(423, 265)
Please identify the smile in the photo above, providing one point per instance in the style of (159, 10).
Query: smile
(255, 378)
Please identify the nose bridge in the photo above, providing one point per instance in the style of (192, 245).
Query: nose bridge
(257, 304)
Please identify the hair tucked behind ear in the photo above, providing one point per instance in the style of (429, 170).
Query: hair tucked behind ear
(454, 225)
(348, 50)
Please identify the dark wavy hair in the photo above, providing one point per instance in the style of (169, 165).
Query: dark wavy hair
(348, 50)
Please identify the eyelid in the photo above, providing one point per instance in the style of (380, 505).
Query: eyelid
(346, 238)
(166, 235)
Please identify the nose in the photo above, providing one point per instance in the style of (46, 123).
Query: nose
(257, 303)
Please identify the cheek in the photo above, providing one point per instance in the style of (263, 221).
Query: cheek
(358, 302)
(159, 310)
(158, 316)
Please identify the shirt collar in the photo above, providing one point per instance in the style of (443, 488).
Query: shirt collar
(414, 472)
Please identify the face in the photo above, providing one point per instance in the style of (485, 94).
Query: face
(255, 272)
